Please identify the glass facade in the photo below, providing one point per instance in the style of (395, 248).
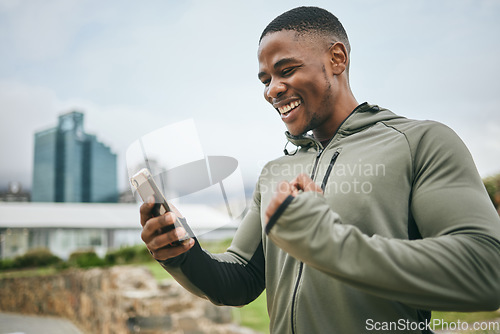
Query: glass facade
(99, 174)
(72, 166)
(44, 172)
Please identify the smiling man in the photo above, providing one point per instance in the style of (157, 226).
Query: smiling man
(371, 223)
(305, 77)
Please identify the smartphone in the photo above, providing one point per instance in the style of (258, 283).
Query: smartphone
(146, 186)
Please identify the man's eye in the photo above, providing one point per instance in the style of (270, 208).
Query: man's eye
(266, 82)
(287, 71)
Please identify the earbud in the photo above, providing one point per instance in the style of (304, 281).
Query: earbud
(286, 151)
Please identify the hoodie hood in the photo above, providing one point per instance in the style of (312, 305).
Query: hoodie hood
(363, 116)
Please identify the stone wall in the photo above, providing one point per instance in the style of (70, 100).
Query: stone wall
(120, 299)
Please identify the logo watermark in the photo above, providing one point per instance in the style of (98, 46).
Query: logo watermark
(345, 178)
(207, 189)
(405, 325)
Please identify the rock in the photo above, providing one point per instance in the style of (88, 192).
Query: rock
(121, 299)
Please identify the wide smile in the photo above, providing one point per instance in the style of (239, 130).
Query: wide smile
(287, 109)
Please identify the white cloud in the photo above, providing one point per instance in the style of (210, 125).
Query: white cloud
(40, 30)
(25, 109)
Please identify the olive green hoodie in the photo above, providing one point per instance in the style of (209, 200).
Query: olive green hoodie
(404, 226)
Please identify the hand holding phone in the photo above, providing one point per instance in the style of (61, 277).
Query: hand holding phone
(147, 188)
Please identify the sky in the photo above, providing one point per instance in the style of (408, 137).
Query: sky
(133, 67)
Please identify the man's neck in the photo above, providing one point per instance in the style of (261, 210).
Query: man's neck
(326, 132)
(325, 142)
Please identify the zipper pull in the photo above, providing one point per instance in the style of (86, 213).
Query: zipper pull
(329, 170)
(316, 163)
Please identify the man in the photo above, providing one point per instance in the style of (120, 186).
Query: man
(371, 223)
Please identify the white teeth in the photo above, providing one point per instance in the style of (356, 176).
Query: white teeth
(288, 107)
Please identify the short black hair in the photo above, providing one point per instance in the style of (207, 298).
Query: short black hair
(313, 20)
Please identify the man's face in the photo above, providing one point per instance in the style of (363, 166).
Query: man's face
(294, 70)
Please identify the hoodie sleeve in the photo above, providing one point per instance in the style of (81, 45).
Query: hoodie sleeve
(456, 264)
(234, 278)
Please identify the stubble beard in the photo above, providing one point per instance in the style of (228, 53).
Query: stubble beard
(318, 118)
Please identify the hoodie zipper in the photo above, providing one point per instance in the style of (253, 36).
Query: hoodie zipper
(313, 173)
(329, 170)
(301, 265)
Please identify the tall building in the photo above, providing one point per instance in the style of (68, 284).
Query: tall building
(72, 166)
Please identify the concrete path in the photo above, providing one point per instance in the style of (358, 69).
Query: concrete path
(11, 323)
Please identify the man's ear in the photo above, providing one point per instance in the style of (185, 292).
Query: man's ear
(339, 58)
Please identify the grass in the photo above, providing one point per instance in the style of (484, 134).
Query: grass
(31, 272)
(465, 316)
(452, 318)
(254, 315)
(158, 272)
(215, 247)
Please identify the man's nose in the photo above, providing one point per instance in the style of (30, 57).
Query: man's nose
(275, 89)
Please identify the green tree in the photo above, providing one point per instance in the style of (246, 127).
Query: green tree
(492, 184)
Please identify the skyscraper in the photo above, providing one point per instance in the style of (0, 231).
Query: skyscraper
(72, 166)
